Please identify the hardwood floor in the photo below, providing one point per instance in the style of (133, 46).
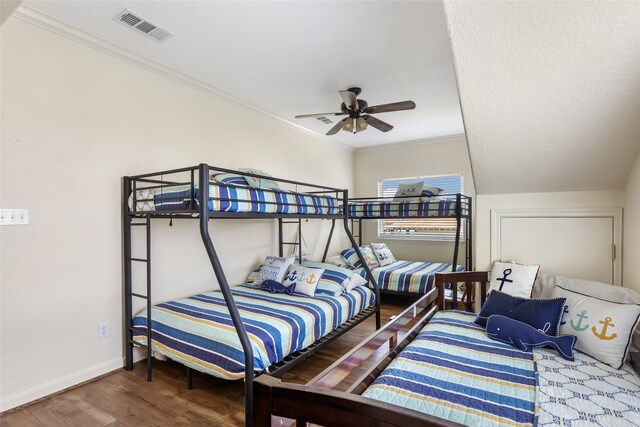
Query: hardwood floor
(126, 398)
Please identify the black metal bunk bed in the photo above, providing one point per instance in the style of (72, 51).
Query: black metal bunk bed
(458, 206)
(200, 205)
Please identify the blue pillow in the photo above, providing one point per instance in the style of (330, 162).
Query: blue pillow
(277, 287)
(543, 314)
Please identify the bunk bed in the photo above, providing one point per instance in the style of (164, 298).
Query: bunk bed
(432, 367)
(412, 277)
(238, 314)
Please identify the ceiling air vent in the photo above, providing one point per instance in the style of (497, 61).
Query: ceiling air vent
(131, 20)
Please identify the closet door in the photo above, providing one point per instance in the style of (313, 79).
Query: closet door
(581, 244)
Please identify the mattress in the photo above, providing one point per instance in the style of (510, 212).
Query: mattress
(408, 276)
(435, 207)
(228, 197)
(585, 392)
(198, 331)
(452, 370)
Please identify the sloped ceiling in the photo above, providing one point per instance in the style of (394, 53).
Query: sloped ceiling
(550, 92)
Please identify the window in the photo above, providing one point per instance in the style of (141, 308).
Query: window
(441, 229)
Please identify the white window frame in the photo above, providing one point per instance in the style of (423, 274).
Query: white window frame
(435, 236)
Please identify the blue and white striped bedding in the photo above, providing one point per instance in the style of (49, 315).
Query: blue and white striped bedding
(230, 197)
(452, 370)
(198, 331)
(436, 207)
(408, 276)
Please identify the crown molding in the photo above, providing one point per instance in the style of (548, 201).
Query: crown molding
(396, 145)
(49, 23)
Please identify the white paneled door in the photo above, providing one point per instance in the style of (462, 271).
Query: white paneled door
(573, 243)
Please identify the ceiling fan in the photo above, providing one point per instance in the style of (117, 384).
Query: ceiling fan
(359, 112)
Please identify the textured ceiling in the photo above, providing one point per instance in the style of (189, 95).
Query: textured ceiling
(550, 92)
(291, 57)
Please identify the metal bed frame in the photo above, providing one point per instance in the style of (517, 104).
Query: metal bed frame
(198, 209)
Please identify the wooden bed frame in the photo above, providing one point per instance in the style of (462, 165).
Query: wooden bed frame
(333, 397)
(339, 386)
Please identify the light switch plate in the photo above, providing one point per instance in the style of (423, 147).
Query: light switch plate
(14, 216)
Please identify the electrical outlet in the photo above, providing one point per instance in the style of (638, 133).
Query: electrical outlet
(103, 330)
(14, 216)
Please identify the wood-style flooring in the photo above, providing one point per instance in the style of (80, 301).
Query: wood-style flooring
(126, 398)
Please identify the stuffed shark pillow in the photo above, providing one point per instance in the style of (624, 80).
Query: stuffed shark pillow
(277, 287)
(525, 337)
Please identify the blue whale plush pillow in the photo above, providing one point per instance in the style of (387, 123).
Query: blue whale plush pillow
(277, 287)
(525, 337)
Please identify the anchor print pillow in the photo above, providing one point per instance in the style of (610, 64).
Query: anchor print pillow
(383, 254)
(603, 328)
(305, 278)
(513, 279)
(274, 268)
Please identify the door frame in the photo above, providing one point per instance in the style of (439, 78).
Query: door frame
(614, 213)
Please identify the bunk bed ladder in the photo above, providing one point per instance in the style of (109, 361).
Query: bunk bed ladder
(128, 223)
(357, 234)
(282, 243)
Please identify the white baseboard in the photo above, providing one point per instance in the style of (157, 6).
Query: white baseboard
(44, 390)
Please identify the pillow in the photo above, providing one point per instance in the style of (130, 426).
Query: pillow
(383, 254)
(603, 328)
(229, 178)
(334, 279)
(259, 182)
(351, 257)
(428, 192)
(524, 337)
(513, 279)
(274, 268)
(277, 287)
(251, 278)
(336, 260)
(304, 278)
(411, 189)
(543, 314)
(546, 282)
(356, 280)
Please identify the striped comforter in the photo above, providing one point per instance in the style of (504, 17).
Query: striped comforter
(198, 331)
(408, 276)
(437, 207)
(452, 370)
(234, 198)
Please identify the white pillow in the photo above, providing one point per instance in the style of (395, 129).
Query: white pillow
(513, 279)
(545, 283)
(603, 328)
(355, 280)
(383, 254)
(274, 268)
(305, 278)
(411, 189)
(336, 260)
(259, 182)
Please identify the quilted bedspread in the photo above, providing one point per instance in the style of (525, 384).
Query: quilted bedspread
(452, 370)
(408, 276)
(198, 331)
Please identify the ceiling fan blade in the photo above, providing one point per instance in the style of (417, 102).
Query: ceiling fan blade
(349, 99)
(304, 116)
(394, 106)
(377, 123)
(337, 127)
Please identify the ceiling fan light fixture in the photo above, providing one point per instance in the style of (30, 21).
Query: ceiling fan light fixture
(347, 125)
(361, 124)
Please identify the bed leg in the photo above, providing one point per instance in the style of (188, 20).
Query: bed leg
(189, 378)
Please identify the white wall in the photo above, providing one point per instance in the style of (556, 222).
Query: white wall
(439, 156)
(74, 121)
(578, 199)
(631, 266)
